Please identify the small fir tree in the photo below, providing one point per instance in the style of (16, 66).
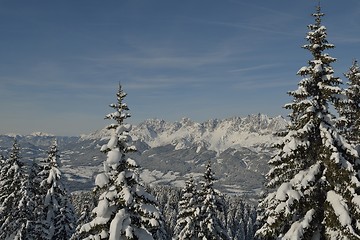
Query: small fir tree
(10, 166)
(314, 172)
(125, 210)
(85, 215)
(28, 205)
(188, 222)
(350, 107)
(210, 224)
(56, 220)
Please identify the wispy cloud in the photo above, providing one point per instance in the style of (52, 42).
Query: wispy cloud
(268, 28)
(164, 83)
(258, 85)
(163, 59)
(260, 82)
(149, 83)
(266, 20)
(253, 68)
(159, 61)
(44, 85)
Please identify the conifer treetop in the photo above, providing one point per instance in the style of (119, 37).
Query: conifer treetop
(354, 78)
(317, 37)
(120, 107)
(319, 86)
(51, 169)
(209, 176)
(15, 151)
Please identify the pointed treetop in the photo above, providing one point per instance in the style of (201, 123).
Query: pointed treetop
(353, 73)
(15, 150)
(355, 63)
(209, 174)
(53, 155)
(121, 108)
(121, 94)
(318, 14)
(53, 147)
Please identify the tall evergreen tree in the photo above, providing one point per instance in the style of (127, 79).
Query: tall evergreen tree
(57, 216)
(8, 167)
(350, 107)
(32, 203)
(28, 205)
(13, 197)
(188, 221)
(125, 210)
(314, 172)
(210, 224)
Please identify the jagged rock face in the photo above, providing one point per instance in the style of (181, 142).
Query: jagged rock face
(239, 148)
(218, 135)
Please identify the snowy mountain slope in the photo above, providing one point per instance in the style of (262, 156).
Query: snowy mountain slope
(218, 135)
(238, 147)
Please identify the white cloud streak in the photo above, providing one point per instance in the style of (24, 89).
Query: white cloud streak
(253, 68)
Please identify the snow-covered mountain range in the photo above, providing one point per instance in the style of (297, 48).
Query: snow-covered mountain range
(218, 135)
(168, 152)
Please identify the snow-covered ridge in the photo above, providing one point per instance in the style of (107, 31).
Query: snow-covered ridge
(250, 131)
(34, 134)
(13, 135)
(98, 134)
(41, 134)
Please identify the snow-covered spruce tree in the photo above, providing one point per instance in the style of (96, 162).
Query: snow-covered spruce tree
(30, 205)
(56, 220)
(211, 228)
(125, 210)
(188, 222)
(10, 166)
(85, 216)
(14, 198)
(350, 107)
(314, 172)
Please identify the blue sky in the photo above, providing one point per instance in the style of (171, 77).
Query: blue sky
(61, 61)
